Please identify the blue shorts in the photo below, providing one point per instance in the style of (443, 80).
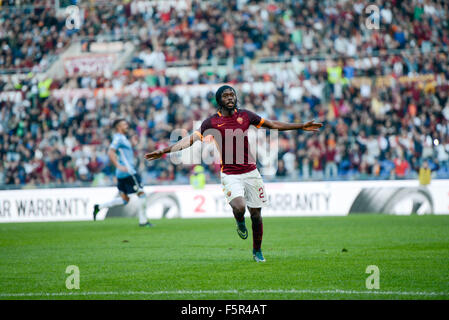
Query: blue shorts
(128, 186)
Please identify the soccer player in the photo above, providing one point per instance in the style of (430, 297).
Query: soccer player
(128, 180)
(242, 183)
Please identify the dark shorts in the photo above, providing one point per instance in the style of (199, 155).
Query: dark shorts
(128, 186)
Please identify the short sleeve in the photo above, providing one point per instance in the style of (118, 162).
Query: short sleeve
(115, 143)
(204, 126)
(255, 119)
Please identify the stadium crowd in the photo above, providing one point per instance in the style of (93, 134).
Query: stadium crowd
(383, 114)
(28, 37)
(371, 130)
(189, 30)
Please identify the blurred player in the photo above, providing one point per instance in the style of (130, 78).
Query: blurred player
(128, 180)
(242, 183)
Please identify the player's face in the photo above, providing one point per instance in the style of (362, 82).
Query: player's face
(228, 99)
(123, 126)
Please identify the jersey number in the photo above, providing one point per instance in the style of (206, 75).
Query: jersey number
(261, 195)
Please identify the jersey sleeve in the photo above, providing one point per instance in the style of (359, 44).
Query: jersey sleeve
(115, 143)
(255, 119)
(204, 126)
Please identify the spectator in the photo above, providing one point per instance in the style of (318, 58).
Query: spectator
(401, 166)
(331, 169)
(281, 171)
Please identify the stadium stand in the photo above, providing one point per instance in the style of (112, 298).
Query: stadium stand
(382, 94)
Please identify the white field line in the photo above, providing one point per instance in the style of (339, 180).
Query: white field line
(217, 292)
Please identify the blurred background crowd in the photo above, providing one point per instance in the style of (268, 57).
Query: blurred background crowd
(381, 93)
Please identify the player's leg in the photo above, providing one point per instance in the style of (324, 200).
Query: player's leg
(234, 192)
(143, 220)
(238, 209)
(141, 196)
(141, 210)
(121, 200)
(256, 199)
(257, 227)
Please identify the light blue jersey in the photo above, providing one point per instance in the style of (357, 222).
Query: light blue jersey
(125, 155)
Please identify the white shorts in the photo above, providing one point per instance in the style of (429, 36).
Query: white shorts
(247, 185)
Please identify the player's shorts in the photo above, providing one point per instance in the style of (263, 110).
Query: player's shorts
(128, 186)
(247, 185)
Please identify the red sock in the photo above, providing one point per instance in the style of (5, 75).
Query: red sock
(257, 227)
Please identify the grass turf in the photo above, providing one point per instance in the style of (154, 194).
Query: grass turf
(205, 259)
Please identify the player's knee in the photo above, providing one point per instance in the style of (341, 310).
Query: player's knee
(141, 194)
(125, 198)
(238, 205)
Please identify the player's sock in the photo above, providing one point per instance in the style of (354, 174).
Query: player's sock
(142, 217)
(142, 210)
(115, 202)
(257, 227)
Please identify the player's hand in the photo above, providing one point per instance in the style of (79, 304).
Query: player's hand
(134, 140)
(312, 126)
(154, 155)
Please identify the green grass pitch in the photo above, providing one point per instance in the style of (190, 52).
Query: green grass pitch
(205, 259)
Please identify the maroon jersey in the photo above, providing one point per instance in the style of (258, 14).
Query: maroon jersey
(231, 137)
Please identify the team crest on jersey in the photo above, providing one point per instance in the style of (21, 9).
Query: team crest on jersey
(240, 120)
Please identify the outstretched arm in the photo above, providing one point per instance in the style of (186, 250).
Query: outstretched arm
(182, 144)
(284, 126)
